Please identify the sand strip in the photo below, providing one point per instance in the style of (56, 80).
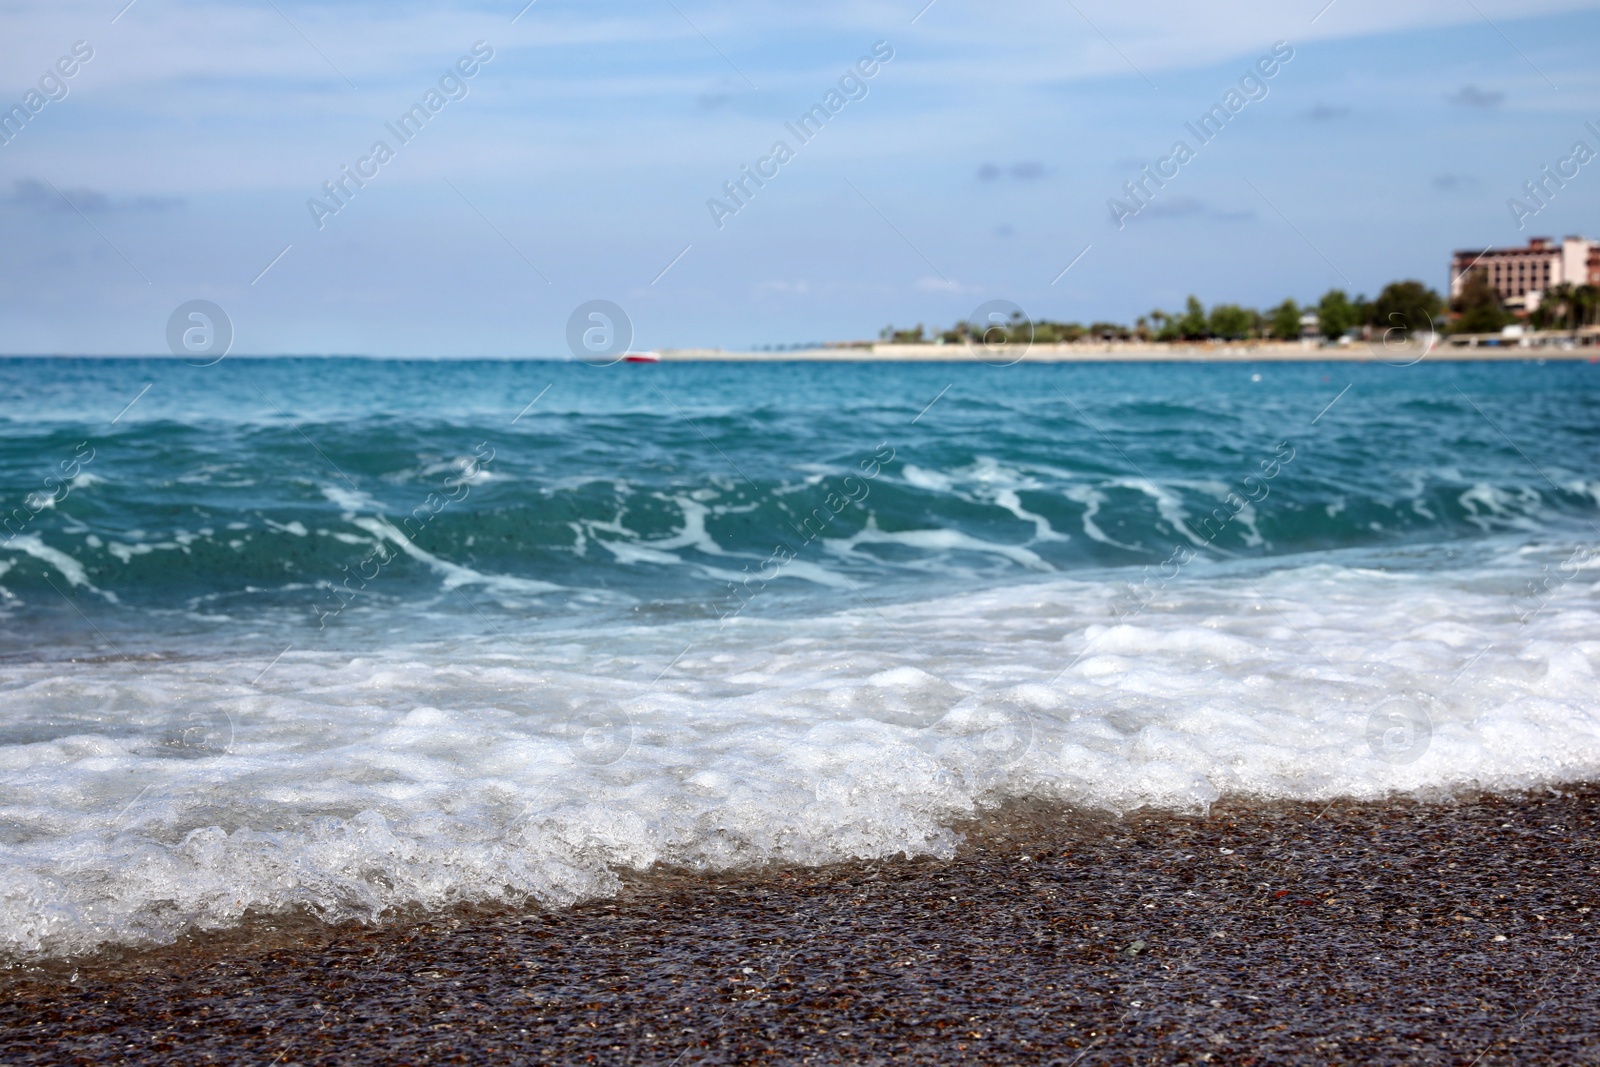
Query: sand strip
(1220, 352)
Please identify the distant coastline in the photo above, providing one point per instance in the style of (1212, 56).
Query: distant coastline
(1452, 349)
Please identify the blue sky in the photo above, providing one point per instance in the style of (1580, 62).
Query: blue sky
(580, 161)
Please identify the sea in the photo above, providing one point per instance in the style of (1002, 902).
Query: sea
(361, 638)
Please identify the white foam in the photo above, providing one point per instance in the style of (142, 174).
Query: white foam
(1092, 500)
(926, 479)
(989, 482)
(1168, 506)
(935, 541)
(1486, 503)
(463, 470)
(775, 570)
(637, 552)
(629, 548)
(65, 565)
(813, 572)
(1042, 530)
(454, 575)
(693, 535)
(135, 803)
(125, 553)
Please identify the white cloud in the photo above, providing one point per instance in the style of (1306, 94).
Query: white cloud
(177, 42)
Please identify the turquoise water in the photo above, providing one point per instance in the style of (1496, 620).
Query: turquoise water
(349, 636)
(229, 498)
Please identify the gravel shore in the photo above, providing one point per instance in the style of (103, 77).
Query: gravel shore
(1452, 932)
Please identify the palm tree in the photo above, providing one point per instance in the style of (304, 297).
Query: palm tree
(1586, 305)
(1556, 309)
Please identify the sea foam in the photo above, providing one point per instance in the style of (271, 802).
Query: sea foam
(139, 799)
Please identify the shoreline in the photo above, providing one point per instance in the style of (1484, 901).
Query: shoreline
(1143, 353)
(1255, 352)
(1394, 931)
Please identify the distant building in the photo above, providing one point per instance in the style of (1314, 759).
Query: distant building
(1522, 275)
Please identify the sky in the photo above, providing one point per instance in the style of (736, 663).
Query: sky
(584, 157)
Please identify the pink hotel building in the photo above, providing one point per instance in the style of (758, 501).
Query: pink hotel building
(1522, 275)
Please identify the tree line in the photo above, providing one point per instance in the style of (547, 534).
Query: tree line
(1409, 307)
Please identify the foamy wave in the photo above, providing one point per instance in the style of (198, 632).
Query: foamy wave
(140, 803)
